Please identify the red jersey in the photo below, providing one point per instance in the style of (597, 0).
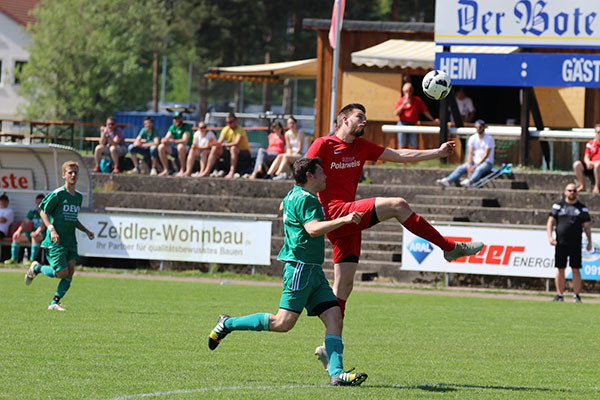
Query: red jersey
(411, 112)
(592, 149)
(343, 164)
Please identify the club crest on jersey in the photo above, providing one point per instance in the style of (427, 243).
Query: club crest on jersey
(420, 249)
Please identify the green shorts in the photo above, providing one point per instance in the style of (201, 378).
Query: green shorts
(59, 256)
(305, 286)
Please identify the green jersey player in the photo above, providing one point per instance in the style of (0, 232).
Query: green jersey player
(304, 283)
(59, 210)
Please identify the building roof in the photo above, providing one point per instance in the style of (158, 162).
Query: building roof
(18, 10)
(384, 26)
(274, 72)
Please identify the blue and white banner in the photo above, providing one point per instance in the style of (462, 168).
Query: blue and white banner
(521, 69)
(525, 23)
(507, 251)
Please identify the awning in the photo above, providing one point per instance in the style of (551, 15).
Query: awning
(396, 53)
(274, 72)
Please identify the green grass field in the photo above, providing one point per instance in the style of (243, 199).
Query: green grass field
(129, 339)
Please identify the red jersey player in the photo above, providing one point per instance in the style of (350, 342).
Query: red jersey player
(343, 156)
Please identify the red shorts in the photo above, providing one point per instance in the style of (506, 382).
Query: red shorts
(347, 239)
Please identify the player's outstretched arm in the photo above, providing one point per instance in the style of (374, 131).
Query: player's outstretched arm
(85, 230)
(317, 228)
(410, 155)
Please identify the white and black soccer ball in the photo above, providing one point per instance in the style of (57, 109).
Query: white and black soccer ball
(436, 84)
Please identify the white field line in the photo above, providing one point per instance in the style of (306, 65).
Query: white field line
(214, 389)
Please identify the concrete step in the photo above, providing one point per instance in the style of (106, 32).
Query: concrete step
(191, 202)
(465, 201)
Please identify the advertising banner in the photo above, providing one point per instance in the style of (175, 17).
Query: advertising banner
(16, 179)
(525, 23)
(521, 69)
(223, 241)
(510, 252)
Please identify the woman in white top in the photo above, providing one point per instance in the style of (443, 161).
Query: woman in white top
(203, 142)
(294, 150)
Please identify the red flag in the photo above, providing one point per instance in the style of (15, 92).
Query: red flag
(333, 28)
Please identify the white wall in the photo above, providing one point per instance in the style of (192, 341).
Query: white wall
(13, 42)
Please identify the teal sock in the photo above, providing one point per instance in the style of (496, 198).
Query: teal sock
(35, 250)
(48, 271)
(254, 322)
(63, 286)
(14, 250)
(335, 352)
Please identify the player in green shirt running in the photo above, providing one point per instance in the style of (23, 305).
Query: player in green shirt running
(304, 283)
(59, 210)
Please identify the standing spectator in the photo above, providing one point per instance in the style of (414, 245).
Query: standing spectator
(465, 106)
(591, 164)
(294, 149)
(176, 142)
(59, 211)
(201, 145)
(6, 216)
(112, 142)
(30, 231)
(569, 215)
(232, 143)
(480, 159)
(276, 146)
(146, 143)
(408, 109)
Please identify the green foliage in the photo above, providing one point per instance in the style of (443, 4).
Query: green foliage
(89, 59)
(127, 337)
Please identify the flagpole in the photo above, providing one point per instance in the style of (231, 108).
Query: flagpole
(336, 62)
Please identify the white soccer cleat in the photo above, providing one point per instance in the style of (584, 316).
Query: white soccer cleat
(57, 307)
(322, 356)
(463, 249)
(30, 274)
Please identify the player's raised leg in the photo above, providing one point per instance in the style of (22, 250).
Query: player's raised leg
(398, 208)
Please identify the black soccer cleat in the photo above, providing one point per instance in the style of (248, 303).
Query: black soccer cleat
(558, 297)
(219, 332)
(348, 379)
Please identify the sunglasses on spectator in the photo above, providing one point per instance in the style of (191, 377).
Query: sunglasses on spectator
(110, 124)
(230, 122)
(202, 127)
(572, 190)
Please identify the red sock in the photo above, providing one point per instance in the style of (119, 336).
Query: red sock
(420, 227)
(342, 304)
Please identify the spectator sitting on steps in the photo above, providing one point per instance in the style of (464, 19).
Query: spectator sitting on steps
(146, 143)
(6, 216)
(201, 146)
(590, 166)
(112, 142)
(480, 159)
(32, 231)
(176, 142)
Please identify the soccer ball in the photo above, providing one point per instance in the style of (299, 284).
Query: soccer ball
(436, 84)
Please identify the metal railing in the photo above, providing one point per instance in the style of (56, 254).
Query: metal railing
(508, 132)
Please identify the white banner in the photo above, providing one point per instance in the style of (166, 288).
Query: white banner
(527, 23)
(511, 252)
(173, 238)
(16, 179)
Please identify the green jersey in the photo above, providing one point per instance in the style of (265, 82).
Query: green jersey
(299, 207)
(62, 208)
(178, 132)
(34, 216)
(149, 136)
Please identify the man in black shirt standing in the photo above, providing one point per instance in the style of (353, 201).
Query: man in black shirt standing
(569, 216)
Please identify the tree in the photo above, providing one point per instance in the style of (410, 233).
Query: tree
(91, 58)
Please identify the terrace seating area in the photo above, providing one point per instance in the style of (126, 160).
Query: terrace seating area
(523, 198)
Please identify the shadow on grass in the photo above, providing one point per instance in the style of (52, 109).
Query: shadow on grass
(453, 387)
